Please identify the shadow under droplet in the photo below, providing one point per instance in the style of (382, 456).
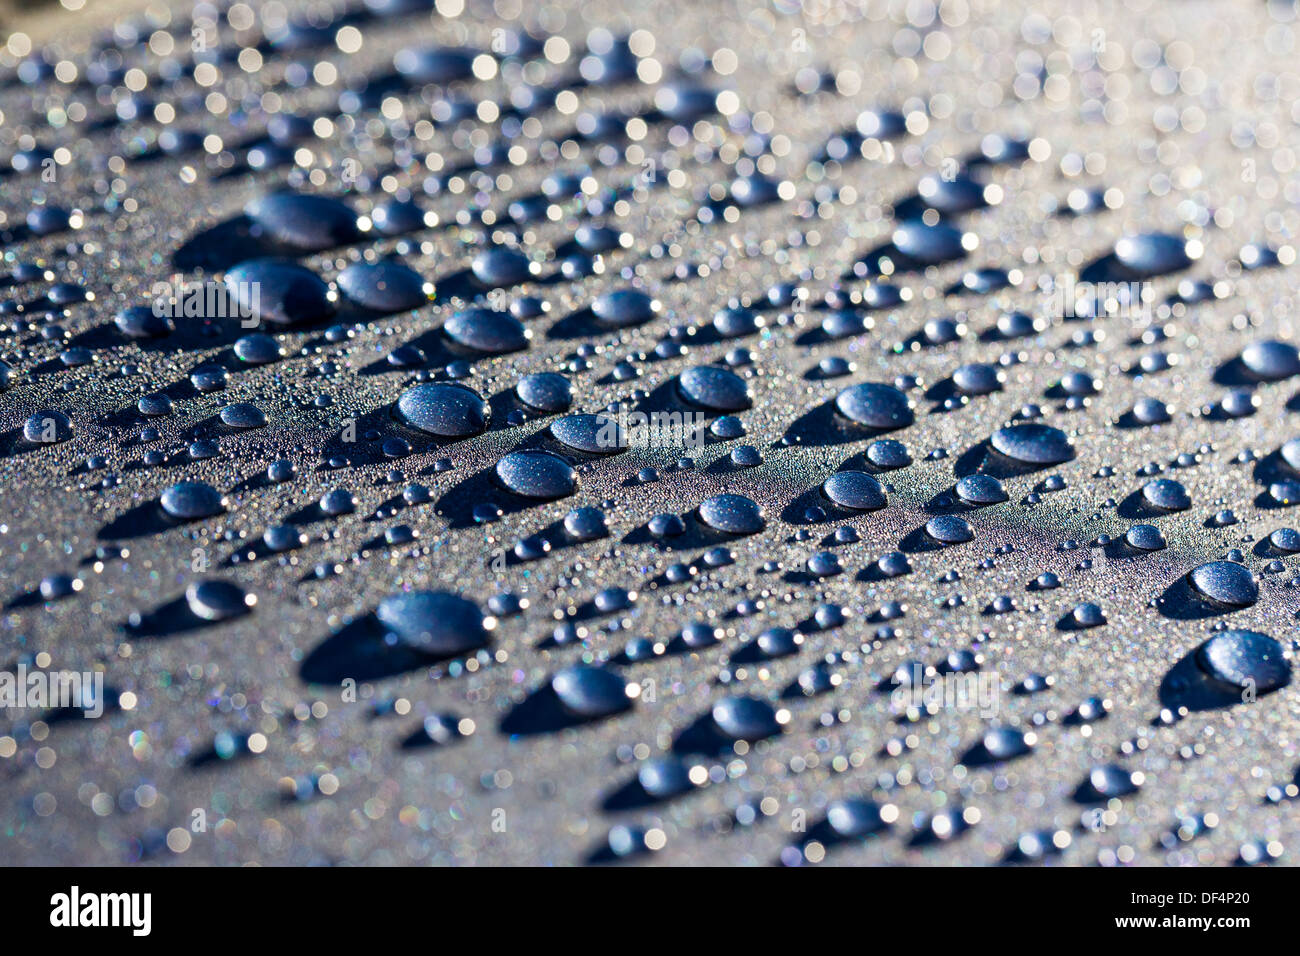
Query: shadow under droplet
(1187, 685)
(359, 651)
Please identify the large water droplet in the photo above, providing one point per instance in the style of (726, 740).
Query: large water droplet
(1226, 583)
(191, 500)
(537, 474)
(1245, 659)
(733, 514)
(855, 489)
(591, 692)
(745, 718)
(1033, 443)
(385, 286)
(624, 307)
(445, 409)
(306, 222)
(278, 291)
(717, 389)
(875, 405)
(487, 332)
(434, 622)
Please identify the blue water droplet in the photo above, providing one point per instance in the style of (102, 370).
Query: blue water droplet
(444, 409)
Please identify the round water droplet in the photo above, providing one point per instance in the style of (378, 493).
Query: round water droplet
(1226, 583)
(1150, 411)
(1112, 781)
(855, 489)
(279, 291)
(338, 501)
(537, 474)
(306, 222)
(1245, 660)
(433, 622)
(1033, 443)
(978, 379)
(585, 524)
(487, 332)
(1166, 494)
(385, 286)
(717, 389)
(243, 415)
(590, 434)
(500, 266)
(191, 500)
(1271, 360)
(733, 514)
(591, 692)
(140, 322)
(875, 405)
(745, 718)
(980, 490)
(624, 307)
(1285, 539)
(545, 391)
(949, 529)
(1006, 743)
(1152, 254)
(257, 348)
(853, 819)
(444, 409)
(930, 244)
(217, 600)
(47, 427)
(1145, 537)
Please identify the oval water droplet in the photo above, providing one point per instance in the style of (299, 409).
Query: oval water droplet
(537, 474)
(433, 622)
(1033, 443)
(444, 409)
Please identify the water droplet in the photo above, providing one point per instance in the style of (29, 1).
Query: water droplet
(385, 286)
(717, 389)
(745, 718)
(733, 514)
(624, 307)
(191, 500)
(1225, 583)
(243, 415)
(306, 222)
(980, 490)
(487, 332)
(1246, 660)
(545, 391)
(537, 474)
(444, 409)
(875, 405)
(1270, 360)
(1033, 443)
(949, 529)
(590, 434)
(855, 489)
(47, 427)
(591, 692)
(279, 291)
(1152, 254)
(1166, 494)
(218, 600)
(434, 622)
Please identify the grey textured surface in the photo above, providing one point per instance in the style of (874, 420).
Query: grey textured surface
(1186, 112)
